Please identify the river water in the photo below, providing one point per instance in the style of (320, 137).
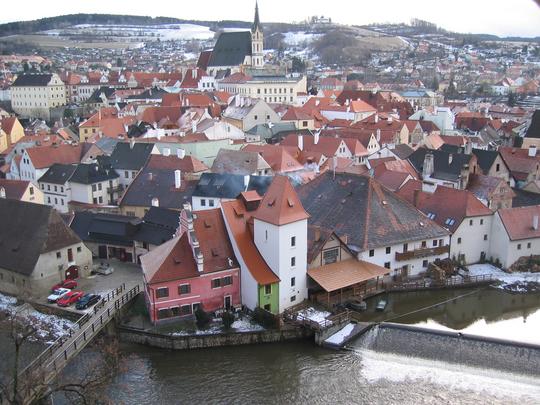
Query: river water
(304, 373)
(370, 371)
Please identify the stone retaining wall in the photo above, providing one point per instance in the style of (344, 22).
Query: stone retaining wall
(162, 341)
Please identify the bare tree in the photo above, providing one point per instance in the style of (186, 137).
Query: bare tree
(84, 386)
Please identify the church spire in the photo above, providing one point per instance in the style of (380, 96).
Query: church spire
(256, 22)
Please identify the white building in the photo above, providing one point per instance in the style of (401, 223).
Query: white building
(515, 234)
(280, 234)
(33, 95)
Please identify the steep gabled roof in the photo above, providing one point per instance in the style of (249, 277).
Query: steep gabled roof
(27, 231)
(237, 217)
(534, 129)
(367, 214)
(58, 174)
(45, 156)
(231, 49)
(280, 204)
(32, 79)
(14, 189)
(130, 157)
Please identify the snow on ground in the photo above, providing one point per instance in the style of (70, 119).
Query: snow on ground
(245, 325)
(339, 337)
(507, 278)
(313, 315)
(48, 327)
(296, 38)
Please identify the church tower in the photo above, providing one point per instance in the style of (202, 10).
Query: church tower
(257, 38)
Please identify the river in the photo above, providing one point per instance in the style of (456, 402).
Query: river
(301, 372)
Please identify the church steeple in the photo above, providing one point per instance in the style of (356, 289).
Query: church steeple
(257, 41)
(256, 21)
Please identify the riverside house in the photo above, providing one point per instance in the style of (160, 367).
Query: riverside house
(195, 269)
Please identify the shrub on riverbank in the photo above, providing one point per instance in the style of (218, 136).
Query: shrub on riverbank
(264, 318)
(227, 318)
(203, 318)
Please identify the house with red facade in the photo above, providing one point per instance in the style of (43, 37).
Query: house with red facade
(195, 269)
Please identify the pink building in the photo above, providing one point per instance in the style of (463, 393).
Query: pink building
(196, 268)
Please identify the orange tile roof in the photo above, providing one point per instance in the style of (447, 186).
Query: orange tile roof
(237, 217)
(277, 157)
(280, 205)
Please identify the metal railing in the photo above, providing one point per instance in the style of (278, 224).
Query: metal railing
(434, 284)
(52, 360)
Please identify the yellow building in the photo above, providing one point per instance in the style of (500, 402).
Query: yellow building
(13, 129)
(33, 95)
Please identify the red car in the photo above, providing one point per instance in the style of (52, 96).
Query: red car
(70, 298)
(67, 283)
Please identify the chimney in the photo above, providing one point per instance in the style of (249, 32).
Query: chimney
(378, 135)
(2, 192)
(177, 178)
(150, 176)
(532, 151)
(450, 158)
(376, 118)
(317, 233)
(428, 168)
(193, 127)
(334, 165)
(301, 142)
(180, 153)
(246, 182)
(316, 137)
(131, 143)
(155, 202)
(389, 119)
(194, 73)
(416, 197)
(468, 148)
(166, 151)
(534, 224)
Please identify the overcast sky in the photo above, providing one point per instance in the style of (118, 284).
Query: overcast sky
(501, 17)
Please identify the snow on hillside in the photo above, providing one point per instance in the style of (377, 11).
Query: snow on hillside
(296, 38)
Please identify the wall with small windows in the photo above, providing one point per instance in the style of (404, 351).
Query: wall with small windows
(287, 257)
(470, 242)
(509, 251)
(413, 266)
(49, 269)
(181, 297)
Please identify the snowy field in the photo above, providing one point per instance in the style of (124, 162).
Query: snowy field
(299, 37)
(48, 327)
(507, 278)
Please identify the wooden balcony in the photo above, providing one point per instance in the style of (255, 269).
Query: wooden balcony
(424, 252)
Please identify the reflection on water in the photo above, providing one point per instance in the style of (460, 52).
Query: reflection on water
(487, 312)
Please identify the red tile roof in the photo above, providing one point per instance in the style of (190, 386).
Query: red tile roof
(280, 205)
(188, 164)
(445, 203)
(14, 188)
(518, 222)
(45, 156)
(279, 159)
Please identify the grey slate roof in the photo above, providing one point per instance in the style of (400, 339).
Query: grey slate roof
(28, 230)
(33, 79)
(534, 129)
(124, 157)
(485, 158)
(443, 169)
(370, 215)
(265, 131)
(107, 144)
(120, 229)
(92, 173)
(229, 185)
(161, 186)
(231, 49)
(58, 174)
(95, 97)
(238, 162)
(525, 198)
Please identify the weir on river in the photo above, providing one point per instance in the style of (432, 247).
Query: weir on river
(451, 347)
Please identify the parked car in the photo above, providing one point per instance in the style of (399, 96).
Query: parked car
(67, 283)
(381, 305)
(87, 301)
(103, 268)
(57, 294)
(357, 305)
(70, 298)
